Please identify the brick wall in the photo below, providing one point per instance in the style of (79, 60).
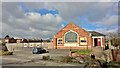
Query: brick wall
(81, 33)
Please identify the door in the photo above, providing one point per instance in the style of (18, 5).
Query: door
(98, 42)
(95, 42)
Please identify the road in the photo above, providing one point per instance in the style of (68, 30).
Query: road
(24, 57)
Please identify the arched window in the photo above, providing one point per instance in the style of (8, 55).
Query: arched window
(71, 37)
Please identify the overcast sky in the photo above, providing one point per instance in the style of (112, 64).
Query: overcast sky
(44, 19)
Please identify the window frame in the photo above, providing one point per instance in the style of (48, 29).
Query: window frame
(77, 39)
(60, 41)
(83, 43)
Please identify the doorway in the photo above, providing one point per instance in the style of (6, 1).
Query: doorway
(95, 42)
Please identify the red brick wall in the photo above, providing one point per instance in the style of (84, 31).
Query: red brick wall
(103, 42)
(81, 32)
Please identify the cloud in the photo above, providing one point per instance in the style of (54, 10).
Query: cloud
(106, 31)
(32, 25)
(42, 11)
(94, 11)
(62, 25)
(109, 20)
(44, 19)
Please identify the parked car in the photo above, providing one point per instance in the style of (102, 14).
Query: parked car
(39, 50)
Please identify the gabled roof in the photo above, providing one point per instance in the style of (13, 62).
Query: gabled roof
(94, 33)
(71, 25)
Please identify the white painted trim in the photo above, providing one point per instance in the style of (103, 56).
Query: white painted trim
(71, 44)
(93, 42)
(84, 46)
(98, 37)
(101, 42)
(57, 41)
(83, 43)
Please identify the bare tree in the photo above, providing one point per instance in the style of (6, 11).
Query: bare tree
(114, 39)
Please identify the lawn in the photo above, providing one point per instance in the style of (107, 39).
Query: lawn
(82, 51)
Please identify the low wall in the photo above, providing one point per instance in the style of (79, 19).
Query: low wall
(13, 46)
(73, 47)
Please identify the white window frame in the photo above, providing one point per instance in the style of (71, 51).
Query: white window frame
(100, 40)
(61, 41)
(83, 43)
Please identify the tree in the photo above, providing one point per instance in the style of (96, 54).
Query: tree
(12, 40)
(41, 42)
(25, 41)
(7, 36)
(3, 45)
(114, 39)
(115, 42)
(48, 40)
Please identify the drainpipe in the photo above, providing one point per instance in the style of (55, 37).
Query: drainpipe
(55, 43)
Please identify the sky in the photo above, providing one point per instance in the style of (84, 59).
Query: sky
(44, 19)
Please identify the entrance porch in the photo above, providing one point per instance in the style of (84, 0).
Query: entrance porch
(97, 41)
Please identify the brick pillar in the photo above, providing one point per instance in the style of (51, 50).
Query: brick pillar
(79, 41)
(91, 42)
(103, 42)
(55, 43)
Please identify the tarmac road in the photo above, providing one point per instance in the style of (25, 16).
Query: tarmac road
(24, 57)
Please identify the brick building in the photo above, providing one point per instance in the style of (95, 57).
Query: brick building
(72, 36)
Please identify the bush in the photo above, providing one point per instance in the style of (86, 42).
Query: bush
(66, 59)
(46, 57)
(6, 53)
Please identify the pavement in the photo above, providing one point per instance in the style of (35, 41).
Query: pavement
(24, 57)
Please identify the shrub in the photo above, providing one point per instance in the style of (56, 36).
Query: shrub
(66, 59)
(46, 57)
(74, 50)
(6, 53)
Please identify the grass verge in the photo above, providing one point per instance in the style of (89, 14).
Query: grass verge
(5, 53)
(82, 51)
